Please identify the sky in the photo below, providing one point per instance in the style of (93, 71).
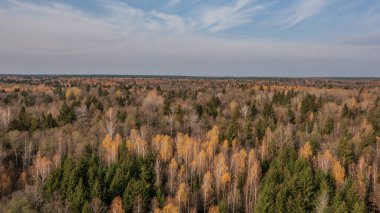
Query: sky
(282, 38)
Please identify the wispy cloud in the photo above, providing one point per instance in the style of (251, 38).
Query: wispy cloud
(305, 9)
(141, 21)
(173, 3)
(226, 17)
(175, 23)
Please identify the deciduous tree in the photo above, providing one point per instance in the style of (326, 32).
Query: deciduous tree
(206, 189)
(116, 206)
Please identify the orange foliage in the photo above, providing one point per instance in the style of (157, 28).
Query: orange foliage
(225, 180)
(116, 206)
(182, 195)
(338, 173)
(111, 147)
(306, 151)
(206, 188)
(5, 183)
(238, 162)
(213, 209)
(220, 170)
(136, 145)
(43, 166)
(170, 208)
(173, 167)
(327, 162)
(164, 146)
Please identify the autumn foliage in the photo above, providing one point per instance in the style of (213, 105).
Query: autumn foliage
(102, 144)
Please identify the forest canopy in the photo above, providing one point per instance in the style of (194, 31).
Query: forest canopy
(120, 144)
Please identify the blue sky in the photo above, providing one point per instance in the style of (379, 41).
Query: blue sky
(182, 37)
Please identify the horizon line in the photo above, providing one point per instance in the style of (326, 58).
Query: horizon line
(190, 76)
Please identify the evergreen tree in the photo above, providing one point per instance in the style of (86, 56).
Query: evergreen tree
(23, 122)
(268, 112)
(66, 114)
(309, 103)
(345, 111)
(289, 185)
(48, 121)
(96, 190)
(291, 116)
(78, 197)
(253, 111)
(329, 127)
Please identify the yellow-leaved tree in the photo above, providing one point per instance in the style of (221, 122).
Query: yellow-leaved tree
(251, 187)
(136, 145)
(111, 147)
(182, 196)
(338, 173)
(169, 208)
(206, 189)
(306, 151)
(220, 172)
(163, 145)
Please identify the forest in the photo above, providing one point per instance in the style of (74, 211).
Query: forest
(159, 144)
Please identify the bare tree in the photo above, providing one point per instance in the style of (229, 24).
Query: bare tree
(110, 122)
(245, 111)
(97, 206)
(2, 154)
(5, 117)
(28, 148)
(81, 112)
(152, 104)
(375, 173)
(15, 142)
(170, 120)
(172, 171)
(193, 120)
(43, 168)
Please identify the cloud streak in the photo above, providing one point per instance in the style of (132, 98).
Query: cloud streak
(226, 17)
(305, 9)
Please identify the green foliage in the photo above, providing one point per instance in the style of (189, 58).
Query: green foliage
(291, 116)
(374, 118)
(329, 127)
(48, 121)
(346, 151)
(66, 114)
(260, 127)
(253, 111)
(346, 199)
(167, 105)
(18, 204)
(232, 130)
(78, 183)
(348, 113)
(223, 207)
(289, 185)
(249, 134)
(269, 113)
(309, 103)
(280, 98)
(212, 107)
(24, 121)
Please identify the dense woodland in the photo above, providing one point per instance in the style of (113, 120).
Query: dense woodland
(122, 144)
